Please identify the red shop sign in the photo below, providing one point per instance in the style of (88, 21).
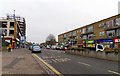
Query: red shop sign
(116, 40)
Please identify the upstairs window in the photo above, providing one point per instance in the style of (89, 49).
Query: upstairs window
(117, 21)
(118, 32)
(110, 33)
(83, 30)
(90, 29)
(101, 33)
(84, 37)
(4, 24)
(11, 24)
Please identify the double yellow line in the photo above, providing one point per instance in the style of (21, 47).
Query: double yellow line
(49, 66)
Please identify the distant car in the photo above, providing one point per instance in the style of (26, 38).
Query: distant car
(36, 48)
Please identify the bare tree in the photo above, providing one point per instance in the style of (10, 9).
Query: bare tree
(50, 40)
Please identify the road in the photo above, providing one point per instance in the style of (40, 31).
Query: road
(73, 64)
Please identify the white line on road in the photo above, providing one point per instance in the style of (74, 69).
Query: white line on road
(113, 72)
(54, 60)
(84, 63)
(48, 65)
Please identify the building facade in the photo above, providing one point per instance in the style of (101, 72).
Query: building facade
(13, 29)
(105, 31)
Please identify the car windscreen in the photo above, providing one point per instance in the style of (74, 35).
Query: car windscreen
(36, 47)
(100, 47)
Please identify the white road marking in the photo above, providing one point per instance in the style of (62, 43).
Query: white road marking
(53, 60)
(84, 63)
(48, 65)
(113, 72)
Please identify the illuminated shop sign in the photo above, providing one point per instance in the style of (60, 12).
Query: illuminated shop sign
(89, 41)
(116, 40)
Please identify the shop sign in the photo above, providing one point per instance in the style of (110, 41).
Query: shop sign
(104, 40)
(90, 41)
(81, 42)
(116, 40)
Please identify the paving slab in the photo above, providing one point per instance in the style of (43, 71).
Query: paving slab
(20, 61)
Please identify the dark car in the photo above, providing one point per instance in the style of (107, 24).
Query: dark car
(35, 49)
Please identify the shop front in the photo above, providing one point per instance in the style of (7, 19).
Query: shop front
(108, 43)
(117, 42)
(81, 43)
(90, 43)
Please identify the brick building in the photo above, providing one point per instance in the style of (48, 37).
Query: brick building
(105, 31)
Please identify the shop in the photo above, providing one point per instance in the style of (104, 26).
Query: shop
(81, 43)
(90, 43)
(106, 42)
(117, 42)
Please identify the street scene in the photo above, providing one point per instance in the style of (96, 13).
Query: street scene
(60, 38)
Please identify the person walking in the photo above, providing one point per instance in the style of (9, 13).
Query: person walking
(9, 47)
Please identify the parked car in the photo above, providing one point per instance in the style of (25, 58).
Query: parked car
(36, 48)
(48, 47)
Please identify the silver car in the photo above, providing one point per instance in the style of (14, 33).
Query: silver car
(36, 48)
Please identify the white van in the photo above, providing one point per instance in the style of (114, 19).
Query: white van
(99, 47)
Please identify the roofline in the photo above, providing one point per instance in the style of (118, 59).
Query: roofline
(90, 24)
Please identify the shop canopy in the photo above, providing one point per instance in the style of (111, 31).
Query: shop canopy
(104, 40)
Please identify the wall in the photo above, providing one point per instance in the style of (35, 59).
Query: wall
(94, 54)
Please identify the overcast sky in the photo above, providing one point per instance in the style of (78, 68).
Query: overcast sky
(44, 17)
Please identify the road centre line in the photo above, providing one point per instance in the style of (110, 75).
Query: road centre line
(84, 64)
(48, 65)
(113, 72)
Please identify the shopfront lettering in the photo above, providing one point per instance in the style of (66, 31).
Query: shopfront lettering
(116, 40)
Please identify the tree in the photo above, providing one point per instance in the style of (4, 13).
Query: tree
(50, 40)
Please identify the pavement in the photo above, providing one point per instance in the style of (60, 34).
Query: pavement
(21, 61)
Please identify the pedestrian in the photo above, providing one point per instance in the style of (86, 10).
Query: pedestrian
(9, 47)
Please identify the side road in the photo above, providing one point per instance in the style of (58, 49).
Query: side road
(21, 61)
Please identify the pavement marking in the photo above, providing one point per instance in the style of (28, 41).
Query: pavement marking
(113, 72)
(48, 65)
(84, 63)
